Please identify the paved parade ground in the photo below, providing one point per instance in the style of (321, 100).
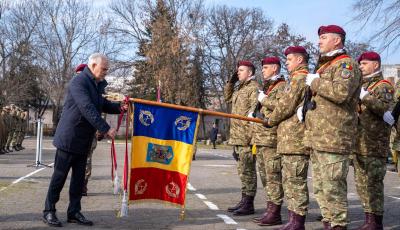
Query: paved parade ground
(214, 186)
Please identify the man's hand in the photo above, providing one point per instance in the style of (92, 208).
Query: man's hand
(234, 78)
(310, 78)
(99, 136)
(363, 93)
(124, 107)
(261, 96)
(388, 118)
(111, 133)
(265, 123)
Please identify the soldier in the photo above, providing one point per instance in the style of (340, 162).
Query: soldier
(376, 98)
(331, 124)
(6, 120)
(18, 129)
(2, 132)
(244, 102)
(24, 118)
(12, 127)
(268, 160)
(88, 170)
(288, 117)
(396, 133)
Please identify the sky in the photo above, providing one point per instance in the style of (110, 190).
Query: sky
(306, 16)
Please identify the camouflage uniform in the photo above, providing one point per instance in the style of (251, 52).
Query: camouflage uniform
(2, 132)
(23, 129)
(6, 128)
(290, 142)
(244, 100)
(373, 143)
(88, 171)
(331, 129)
(12, 127)
(18, 129)
(268, 160)
(395, 140)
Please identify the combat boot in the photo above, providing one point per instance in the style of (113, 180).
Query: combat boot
(258, 219)
(15, 148)
(5, 150)
(21, 147)
(273, 216)
(295, 223)
(339, 228)
(327, 225)
(9, 149)
(2, 152)
(238, 205)
(288, 224)
(247, 208)
(372, 222)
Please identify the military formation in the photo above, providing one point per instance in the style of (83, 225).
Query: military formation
(13, 122)
(337, 116)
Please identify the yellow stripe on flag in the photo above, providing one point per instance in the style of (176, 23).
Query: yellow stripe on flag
(180, 162)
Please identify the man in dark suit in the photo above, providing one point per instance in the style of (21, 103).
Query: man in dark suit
(80, 119)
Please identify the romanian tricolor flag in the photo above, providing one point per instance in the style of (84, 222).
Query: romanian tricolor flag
(162, 149)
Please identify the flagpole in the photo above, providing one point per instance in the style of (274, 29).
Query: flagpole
(197, 110)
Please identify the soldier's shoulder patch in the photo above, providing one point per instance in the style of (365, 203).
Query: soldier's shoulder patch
(347, 66)
(388, 96)
(346, 73)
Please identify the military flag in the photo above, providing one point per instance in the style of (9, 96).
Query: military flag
(162, 149)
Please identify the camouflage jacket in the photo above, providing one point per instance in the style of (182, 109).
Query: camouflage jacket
(332, 125)
(290, 129)
(243, 100)
(373, 132)
(264, 136)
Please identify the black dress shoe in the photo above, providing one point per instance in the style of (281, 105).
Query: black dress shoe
(79, 219)
(51, 219)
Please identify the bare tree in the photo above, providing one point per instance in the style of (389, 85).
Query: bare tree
(384, 17)
(65, 30)
(231, 34)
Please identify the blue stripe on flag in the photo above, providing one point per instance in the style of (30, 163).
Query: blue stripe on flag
(164, 123)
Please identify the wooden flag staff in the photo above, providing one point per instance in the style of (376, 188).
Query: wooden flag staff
(197, 110)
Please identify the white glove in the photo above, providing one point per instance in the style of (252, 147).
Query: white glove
(363, 93)
(300, 113)
(388, 118)
(261, 96)
(311, 77)
(250, 115)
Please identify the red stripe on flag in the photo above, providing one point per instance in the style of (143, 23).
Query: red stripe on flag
(154, 183)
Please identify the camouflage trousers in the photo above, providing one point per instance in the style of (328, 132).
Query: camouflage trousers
(270, 169)
(294, 171)
(329, 171)
(88, 171)
(10, 137)
(369, 173)
(246, 167)
(15, 138)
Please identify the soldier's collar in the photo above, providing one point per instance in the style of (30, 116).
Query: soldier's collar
(334, 53)
(372, 76)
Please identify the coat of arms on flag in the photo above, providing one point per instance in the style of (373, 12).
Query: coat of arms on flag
(162, 149)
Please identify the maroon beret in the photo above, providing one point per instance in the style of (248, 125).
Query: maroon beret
(245, 63)
(271, 60)
(331, 29)
(371, 56)
(295, 49)
(80, 67)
